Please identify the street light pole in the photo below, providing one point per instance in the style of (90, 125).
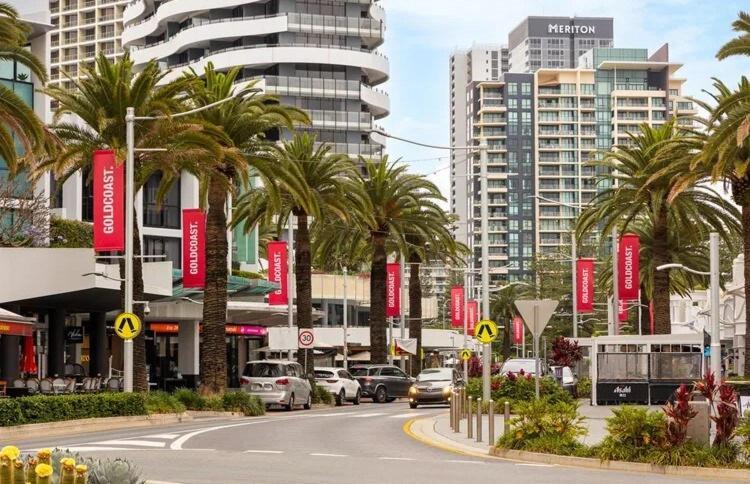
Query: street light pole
(129, 229)
(402, 300)
(614, 321)
(574, 288)
(487, 348)
(290, 277)
(715, 322)
(346, 321)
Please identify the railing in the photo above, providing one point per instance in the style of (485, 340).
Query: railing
(342, 25)
(343, 118)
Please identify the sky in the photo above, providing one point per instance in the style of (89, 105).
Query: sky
(421, 34)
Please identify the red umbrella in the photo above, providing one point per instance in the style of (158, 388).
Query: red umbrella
(28, 359)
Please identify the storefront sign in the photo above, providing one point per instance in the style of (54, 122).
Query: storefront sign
(277, 272)
(16, 329)
(628, 280)
(193, 248)
(457, 306)
(109, 190)
(234, 329)
(472, 315)
(74, 334)
(585, 285)
(571, 29)
(517, 330)
(622, 392)
(393, 289)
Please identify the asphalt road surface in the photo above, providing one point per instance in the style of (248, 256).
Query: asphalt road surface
(351, 444)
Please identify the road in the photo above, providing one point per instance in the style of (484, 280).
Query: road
(363, 444)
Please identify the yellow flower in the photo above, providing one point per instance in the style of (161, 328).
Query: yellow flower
(43, 470)
(44, 453)
(68, 462)
(18, 463)
(82, 468)
(11, 452)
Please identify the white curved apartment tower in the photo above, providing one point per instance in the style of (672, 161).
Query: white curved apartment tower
(318, 55)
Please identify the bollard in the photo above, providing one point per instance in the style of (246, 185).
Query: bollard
(491, 429)
(457, 421)
(469, 422)
(479, 419)
(506, 419)
(462, 401)
(451, 413)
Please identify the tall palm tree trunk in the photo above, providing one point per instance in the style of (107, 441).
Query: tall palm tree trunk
(213, 354)
(746, 243)
(415, 311)
(303, 274)
(378, 350)
(645, 313)
(662, 318)
(140, 376)
(506, 339)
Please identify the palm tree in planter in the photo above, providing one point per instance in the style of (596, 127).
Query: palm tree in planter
(99, 99)
(242, 128)
(321, 183)
(641, 195)
(18, 123)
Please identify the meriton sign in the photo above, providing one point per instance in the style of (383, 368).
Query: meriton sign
(570, 29)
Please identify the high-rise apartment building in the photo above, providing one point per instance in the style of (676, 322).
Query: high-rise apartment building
(542, 126)
(82, 29)
(318, 55)
(557, 42)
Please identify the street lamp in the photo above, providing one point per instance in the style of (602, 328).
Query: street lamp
(130, 119)
(714, 299)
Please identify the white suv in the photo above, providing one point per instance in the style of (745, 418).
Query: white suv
(340, 383)
(277, 382)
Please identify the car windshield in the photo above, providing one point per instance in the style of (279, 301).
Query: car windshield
(361, 371)
(263, 370)
(323, 374)
(436, 375)
(516, 366)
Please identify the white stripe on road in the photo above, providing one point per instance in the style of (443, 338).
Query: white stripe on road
(263, 452)
(328, 455)
(536, 465)
(177, 444)
(406, 415)
(365, 415)
(331, 414)
(139, 443)
(161, 436)
(396, 458)
(464, 462)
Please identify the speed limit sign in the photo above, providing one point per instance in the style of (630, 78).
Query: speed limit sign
(306, 339)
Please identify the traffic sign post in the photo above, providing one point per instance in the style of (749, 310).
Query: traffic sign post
(305, 341)
(128, 326)
(536, 314)
(486, 332)
(466, 354)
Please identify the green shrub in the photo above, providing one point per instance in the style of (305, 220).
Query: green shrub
(517, 389)
(633, 433)
(163, 402)
(247, 274)
(70, 234)
(544, 426)
(742, 432)
(243, 402)
(321, 395)
(583, 388)
(191, 399)
(53, 408)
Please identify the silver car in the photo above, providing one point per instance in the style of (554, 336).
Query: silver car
(277, 383)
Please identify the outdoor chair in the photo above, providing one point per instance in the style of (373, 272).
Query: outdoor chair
(70, 385)
(3, 388)
(19, 383)
(33, 385)
(58, 385)
(45, 386)
(87, 384)
(113, 384)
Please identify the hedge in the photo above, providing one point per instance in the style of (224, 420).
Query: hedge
(70, 234)
(54, 408)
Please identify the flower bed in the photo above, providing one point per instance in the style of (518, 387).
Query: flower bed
(516, 388)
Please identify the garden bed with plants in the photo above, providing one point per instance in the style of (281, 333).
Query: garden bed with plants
(516, 388)
(636, 434)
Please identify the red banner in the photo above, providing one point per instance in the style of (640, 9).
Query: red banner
(517, 330)
(472, 316)
(585, 285)
(109, 195)
(393, 289)
(457, 306)
(622, 310)
(628, 280)
(277, 272)
(193, 248)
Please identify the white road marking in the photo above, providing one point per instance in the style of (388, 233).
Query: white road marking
(177, 444)
(366, 415)
(263, 452)
(85, 448)
(396, 458)
(138, 443)
(536, 465)
(406, 415)
(464, 462)
(161, 436)
(331, 414)
(328, 455)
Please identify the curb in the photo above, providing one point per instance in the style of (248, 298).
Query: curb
(569, 461)
(407, 428)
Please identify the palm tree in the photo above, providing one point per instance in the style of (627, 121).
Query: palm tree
(99, 99)
(640, 196)
(17, 119)
(503, 308)
(321, 182)
(241, 127)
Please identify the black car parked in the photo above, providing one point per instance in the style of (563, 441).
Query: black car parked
(382, 383)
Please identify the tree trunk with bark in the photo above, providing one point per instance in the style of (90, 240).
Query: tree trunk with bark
(645, 313)
(378, 345)
(746, 242)
(506, 338)
(213, 354)
(303, 275)
(662, 317)
(415, 311)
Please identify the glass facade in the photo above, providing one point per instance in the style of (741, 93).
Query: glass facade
(17, 78)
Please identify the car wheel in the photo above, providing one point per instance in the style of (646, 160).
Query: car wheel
(412, 405)
(290, 405)
(308, 405)
(381, 395)
(340, 398)
(357, 398)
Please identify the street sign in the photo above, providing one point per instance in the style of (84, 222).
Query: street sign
(466, 354)
(306, 339)
(128, 326)
(536, 313)
(486, 331)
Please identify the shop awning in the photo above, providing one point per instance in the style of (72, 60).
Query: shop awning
(361, 356)
(15, 325)
(236, 286)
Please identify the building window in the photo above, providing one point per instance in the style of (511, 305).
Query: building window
(526, 88)
(512, 88)
(166, 214)
(167, 246)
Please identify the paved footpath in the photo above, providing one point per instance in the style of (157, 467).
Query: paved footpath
(363, 444)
